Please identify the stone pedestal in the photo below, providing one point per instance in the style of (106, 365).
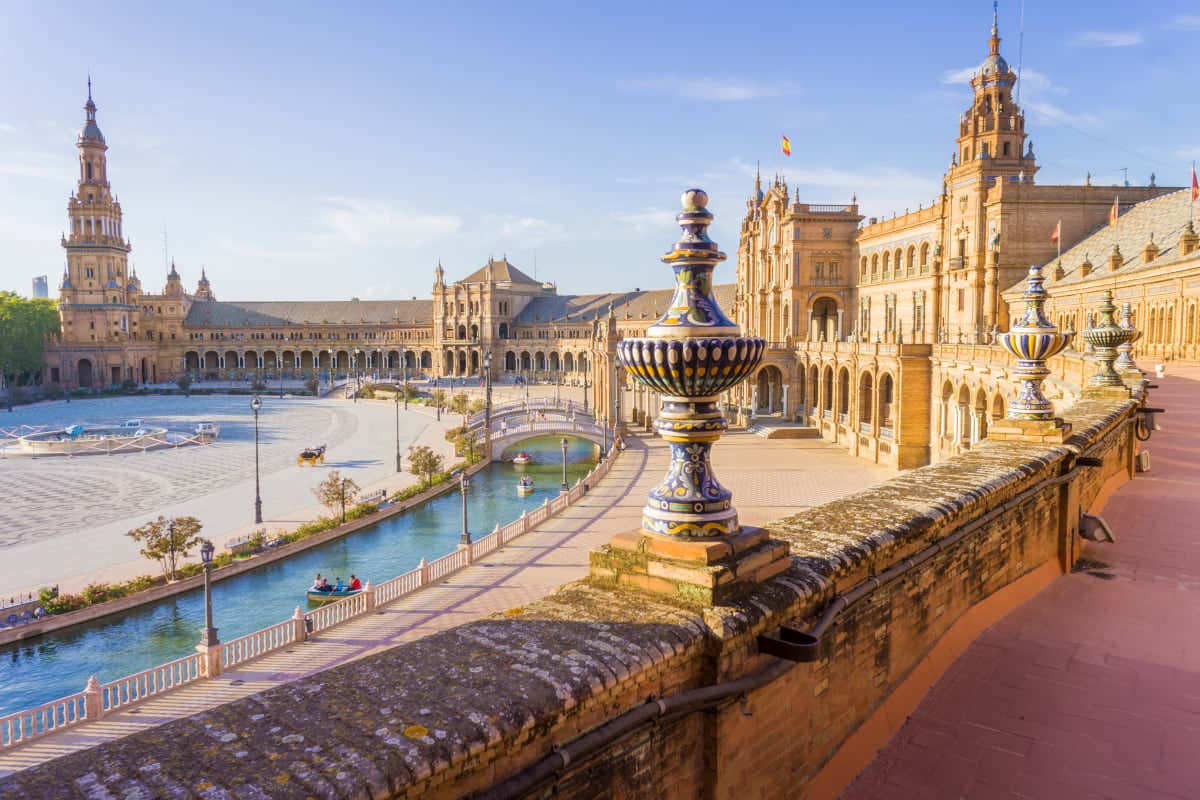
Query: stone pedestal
(696, 572)
(1106, 392)
(1030, 430)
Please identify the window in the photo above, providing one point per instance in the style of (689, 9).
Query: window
(962, 299)
(1006, 148)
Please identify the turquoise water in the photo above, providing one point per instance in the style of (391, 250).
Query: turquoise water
(59, 664)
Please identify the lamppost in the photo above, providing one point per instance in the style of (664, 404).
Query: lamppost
(255, 405)
(208, 636)
(464, 483)
(354, 372)
(397, 399)
(586, 367)
(564, 464)
(603, 435)
(404, 366)
(487, 402)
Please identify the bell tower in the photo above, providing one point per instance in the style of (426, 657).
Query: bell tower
(991, 136)
(97, 251)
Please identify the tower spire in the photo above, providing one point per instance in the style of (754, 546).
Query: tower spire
(994, 42)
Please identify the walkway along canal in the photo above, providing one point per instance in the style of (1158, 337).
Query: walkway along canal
(59, 664)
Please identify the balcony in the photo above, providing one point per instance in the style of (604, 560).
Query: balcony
(826, 280)
(958, 262)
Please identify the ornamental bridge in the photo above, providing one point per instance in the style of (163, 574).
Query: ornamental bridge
(505, 436)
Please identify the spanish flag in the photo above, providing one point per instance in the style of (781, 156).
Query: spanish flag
(786, 145)
(1054, 237)
(1195, 184)
(1115, 211)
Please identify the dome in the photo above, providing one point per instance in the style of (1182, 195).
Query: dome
(993, 65)
(91, 133)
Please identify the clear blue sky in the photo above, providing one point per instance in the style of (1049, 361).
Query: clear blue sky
(304, 151)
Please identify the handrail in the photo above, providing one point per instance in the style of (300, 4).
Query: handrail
(98, 699)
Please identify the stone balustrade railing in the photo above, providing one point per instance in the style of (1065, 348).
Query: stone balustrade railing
(533, 404)
(99, 699)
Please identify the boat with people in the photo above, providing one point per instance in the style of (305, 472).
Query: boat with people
(311, 456)
(209, 429)
(525, 485)
(522, 458)
(322, 591)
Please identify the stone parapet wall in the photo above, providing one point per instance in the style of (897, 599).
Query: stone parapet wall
(460, 711)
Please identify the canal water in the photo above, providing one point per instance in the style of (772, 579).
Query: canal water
(58, 664)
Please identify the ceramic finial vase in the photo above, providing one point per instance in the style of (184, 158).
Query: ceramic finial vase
(1033, 340)
(690, 356)
(1105, 337)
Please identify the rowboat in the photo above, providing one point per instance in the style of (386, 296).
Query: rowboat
(522, 458)
(525, 486)
(317, 596)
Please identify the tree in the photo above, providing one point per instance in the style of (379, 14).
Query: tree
(439, 397)
(476, 406)
(409, 392)
(424, 461)
(167, 541)
(464, 445)
(184, 382)
(337, 491)
(312, 385)
(25, 325)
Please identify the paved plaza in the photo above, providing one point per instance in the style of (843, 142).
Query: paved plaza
(769, 478)
(63, 519)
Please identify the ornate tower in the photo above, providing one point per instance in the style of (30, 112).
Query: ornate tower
(97, 252)
(991, 136)
(204, 288)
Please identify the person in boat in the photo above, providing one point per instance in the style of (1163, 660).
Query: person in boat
(355, 583)
(324, 586)
(339, 586)
(317, 582)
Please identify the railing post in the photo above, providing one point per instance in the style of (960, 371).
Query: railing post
(210, 664)
(299, 626)
(369, 595)
(93, 699)
(424, 567)
(469, 548)
(499, 535)
(524, 522)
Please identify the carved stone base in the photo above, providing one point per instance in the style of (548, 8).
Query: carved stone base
(1120, 392)
(700, 573)
(1054, 431)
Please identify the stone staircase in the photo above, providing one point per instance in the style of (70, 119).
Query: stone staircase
(782, 429)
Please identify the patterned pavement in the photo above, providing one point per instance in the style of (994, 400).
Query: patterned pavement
(777, 478)
(1092, 688)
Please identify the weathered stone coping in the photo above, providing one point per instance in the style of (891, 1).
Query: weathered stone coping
(458, 711)
(57, 622)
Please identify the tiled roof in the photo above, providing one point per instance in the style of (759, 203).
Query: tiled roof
(337, 312)
(648, 305)
(1165, 217)
(502, 272)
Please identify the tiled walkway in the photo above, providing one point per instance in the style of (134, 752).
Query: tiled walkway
(769, 480)
(1091, 689)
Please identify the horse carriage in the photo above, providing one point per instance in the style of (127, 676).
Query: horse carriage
(311, 456)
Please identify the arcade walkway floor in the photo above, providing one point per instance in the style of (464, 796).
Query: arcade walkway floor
(1092, 688)
(769, 480)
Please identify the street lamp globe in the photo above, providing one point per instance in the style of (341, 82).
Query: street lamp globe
(256, 403)
(206, 551)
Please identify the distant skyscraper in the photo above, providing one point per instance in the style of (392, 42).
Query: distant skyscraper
(40, 287)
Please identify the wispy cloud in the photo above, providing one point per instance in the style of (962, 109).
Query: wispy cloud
(257, 252)
(721, 90)
(356, 222)
(1108, 38)
(6, 127)
(957, 76)
(525, 232)
(1184, 22)
(29, 165)
(1189, 152)
(646, 220)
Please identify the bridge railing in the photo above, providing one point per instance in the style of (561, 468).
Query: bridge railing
(533, 404)
(97, 699)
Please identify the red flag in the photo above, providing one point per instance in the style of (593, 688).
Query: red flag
(1195, 184)
(1054, 237)
(786, 145)
(1115, 211)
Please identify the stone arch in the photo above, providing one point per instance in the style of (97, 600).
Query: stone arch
(581, 363)
(448, 362)
(84, 372)
(474, 362)
(910, 260)
(769, 383)
(510, 361)
(827, 390)
(843, 392)
(212, 360)
(269, 360)
(555, 363)
(887, 400)
(924, 265)
(306, 360)
(426, 359)
(981, 415)
(568, 362)
(866, 383)
(539, 361)
(503, 330)
(998, 407)
(526, 362)
(862, 268)
(824, 317)
(462, 332)
(462, 363)
(474, 333)
(887, 264)
(946, 428)
(874, 266)
(814, 388)
(191, 362)
(897, 262)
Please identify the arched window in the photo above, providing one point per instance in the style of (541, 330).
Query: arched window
(924, 258)
(886, 401)
(875, 266)
(865, 384)
(887, 265)
(843, 393)
(910, 264)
